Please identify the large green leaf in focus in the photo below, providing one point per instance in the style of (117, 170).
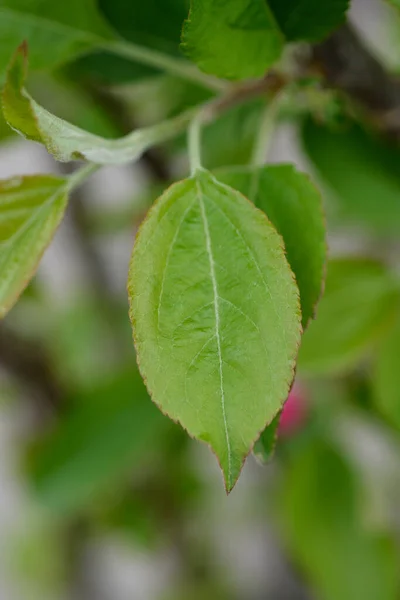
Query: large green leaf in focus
(309, 20)
(386, 376)
(101, 439)
(216, 316)
(56, 31)
(67, 142)
(31, 209)
(361, 170)
(234, 39)
(294, 206)
(322, 521)
(359, 304)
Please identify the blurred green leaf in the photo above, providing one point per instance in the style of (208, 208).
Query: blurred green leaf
(323, 527)
(235, 40)
(65, 141)
(55, 31)
(294, 206)
(105, 436)
(265, 445)
(220, 301)
(31, 209)
(361, 170)
(359, 304)
(386, 376)
(309, 20)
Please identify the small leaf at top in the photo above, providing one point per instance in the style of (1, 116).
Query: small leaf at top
(294, 206)
(309, 20)
(234, 39)
(67, 142)
(215, 313)
(31, 209)
(264, 447)
(56, 31)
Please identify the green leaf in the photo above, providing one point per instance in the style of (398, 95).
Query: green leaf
(386, 376)
(55, 31)
(67, 142)
(215, 314)
(264, 447)
(309, 20)
(96, 445)
(322, 522)
(359, 303)
(362, 172)
(234, 39)
(294, 206)
(31, 209)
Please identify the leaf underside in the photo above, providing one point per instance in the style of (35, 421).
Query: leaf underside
(215, 312)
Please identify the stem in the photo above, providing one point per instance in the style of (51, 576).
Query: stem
(194, 142)
(175, 66)
(266, 129)
(79, 176)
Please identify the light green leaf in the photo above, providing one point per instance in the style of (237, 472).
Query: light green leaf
(294, 206)
(386, 376)
(55, 31)
(264, 447)
(31, 209)
(234, 39)
(96, 445)
(309, 20)
(362, 172)
(324, 531)
(359, 304)
(67, 142)
(216, 317)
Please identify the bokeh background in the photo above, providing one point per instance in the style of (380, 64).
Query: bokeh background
(101, 497)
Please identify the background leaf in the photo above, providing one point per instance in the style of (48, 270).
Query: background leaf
(359, 303)
(294, 206)
(55, 31)
(217, 323)
(265, 445)
(31, 209)
(361, 170)
(106, 433)
(386, 376)
(322, 522)
(246, 27)
(309, 20)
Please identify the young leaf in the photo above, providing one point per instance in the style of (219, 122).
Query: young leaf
(67, 142)
(238, 39)
(309, 20)
(265, 445)
(215, 313)
(360, 302)
(386, 376)
(56, 31)
(362, 172)
(31, 209)
(294, 206)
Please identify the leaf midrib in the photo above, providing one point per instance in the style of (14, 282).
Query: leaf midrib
(217, 325)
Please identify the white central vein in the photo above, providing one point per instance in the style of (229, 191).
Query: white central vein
(217, 325)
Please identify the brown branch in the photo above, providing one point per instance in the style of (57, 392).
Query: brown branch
(348, 65)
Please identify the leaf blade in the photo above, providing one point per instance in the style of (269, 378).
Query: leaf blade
(190, 321)
(26, 229)
(65, 141)
(246, 27)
